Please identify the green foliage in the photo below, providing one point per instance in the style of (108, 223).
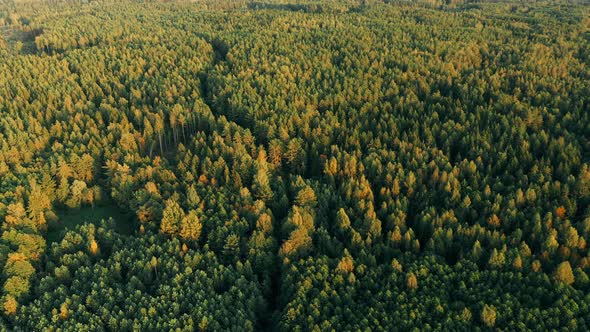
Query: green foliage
(318, 165)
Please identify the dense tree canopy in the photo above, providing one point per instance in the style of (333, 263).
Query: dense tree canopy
(304, 165)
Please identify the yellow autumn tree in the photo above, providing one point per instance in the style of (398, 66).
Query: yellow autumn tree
(93, 247)
(63, 311)
(411, 281)
(564, 273)
(190, 227)
(15, 214)
(171, 218)
(10, 305)
(488, 315)
(346, 264)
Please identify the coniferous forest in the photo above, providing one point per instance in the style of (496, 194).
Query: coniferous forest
(228, 165)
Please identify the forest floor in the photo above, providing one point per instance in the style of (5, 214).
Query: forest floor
(70, 218)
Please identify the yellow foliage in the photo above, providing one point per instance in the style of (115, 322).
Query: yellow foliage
(190, 227)
(63, 311)
(466, 314)
(564, 273)
(517, 264)
(152, 188)
(345, 265)
(15, 214)
(264, 223)
(396, 265)
(494, 221)
(298, 242)
(15, 257)
(93, 247)
(10, 305)
(488, 315)
(411, 281)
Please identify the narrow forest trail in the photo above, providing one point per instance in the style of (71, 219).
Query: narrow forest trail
(270, 320)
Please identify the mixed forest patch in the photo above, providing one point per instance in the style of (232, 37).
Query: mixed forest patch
(311, 165)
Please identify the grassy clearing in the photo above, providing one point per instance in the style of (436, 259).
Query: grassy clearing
(18, 40)
(70, 218)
